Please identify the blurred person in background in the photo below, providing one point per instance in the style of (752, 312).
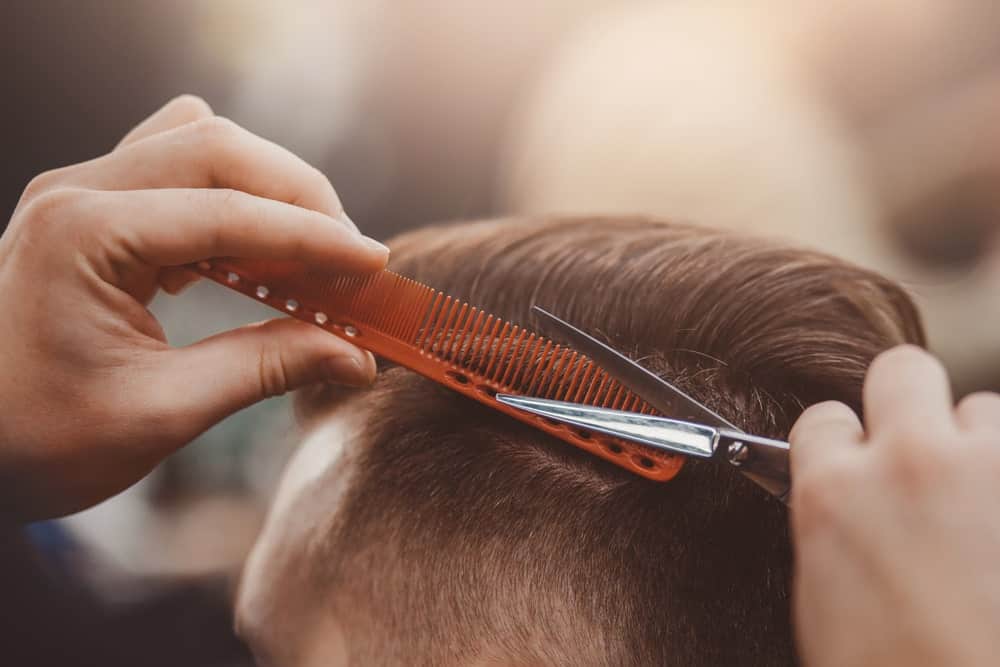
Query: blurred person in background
(860, 128)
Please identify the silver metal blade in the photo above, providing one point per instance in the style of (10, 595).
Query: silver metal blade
(653, 389)
(670, 435)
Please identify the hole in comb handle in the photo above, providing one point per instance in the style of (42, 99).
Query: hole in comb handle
(460, 378)
(644, 462)
(614, 448)
(486, 390)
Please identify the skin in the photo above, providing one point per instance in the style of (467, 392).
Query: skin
(93, 396)
(278, 613)
(894, 522)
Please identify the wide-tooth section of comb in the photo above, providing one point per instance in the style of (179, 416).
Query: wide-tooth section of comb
(451, 342)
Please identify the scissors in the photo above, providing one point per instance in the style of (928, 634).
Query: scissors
(698, 431)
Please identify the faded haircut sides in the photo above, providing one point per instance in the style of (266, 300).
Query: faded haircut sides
(465, 535)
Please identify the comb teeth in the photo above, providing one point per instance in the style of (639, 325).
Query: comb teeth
(451, 342)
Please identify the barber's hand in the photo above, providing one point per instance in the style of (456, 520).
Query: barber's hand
(91, 394)
(897, 525)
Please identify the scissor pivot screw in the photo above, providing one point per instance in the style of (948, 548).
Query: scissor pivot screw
(738, 453)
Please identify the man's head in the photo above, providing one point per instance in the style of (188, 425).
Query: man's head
(417, 527)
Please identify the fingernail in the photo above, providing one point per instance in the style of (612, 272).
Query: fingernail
(350, 223)
(375, 245)
(349, 371)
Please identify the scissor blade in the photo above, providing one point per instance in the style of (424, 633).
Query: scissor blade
(670, 435)
(651, 388)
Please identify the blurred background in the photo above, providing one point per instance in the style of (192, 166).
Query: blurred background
(865, 129)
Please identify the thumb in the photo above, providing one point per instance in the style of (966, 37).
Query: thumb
(229, 371)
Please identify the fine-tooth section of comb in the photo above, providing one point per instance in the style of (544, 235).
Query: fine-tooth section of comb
(451, 342)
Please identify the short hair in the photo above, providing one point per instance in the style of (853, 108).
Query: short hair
(465, 534)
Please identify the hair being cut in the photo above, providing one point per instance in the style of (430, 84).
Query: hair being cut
(465, 535)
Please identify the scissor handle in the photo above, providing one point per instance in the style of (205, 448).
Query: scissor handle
(763, 460)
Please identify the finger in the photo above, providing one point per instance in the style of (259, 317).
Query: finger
(979, 411)
(212, 153)
(824, 430)
(230, 371)
(178, 111)
(173, 227)
(176, 279)
(907, 393)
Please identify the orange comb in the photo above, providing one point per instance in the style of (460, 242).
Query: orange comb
(450, 342)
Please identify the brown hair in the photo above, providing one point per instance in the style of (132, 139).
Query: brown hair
(467, 535)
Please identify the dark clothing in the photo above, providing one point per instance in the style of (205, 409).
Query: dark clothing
(48, 617)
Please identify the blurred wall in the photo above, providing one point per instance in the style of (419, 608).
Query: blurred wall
(863, 129)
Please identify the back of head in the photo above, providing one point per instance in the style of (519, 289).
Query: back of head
(463, 537)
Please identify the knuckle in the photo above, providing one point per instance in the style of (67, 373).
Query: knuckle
(221, 145)
(981, 405)
(913, 469)
(272, 372)
(230, 214)
(191, 106)
(892, 361)
(224, 200)
(981, 398)
(914, 436)
(815, 418)
(322, 184)
(234, 212)
(217, 132)
(55, 207)
(817, 494)
(42, 183)
(222, 204)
